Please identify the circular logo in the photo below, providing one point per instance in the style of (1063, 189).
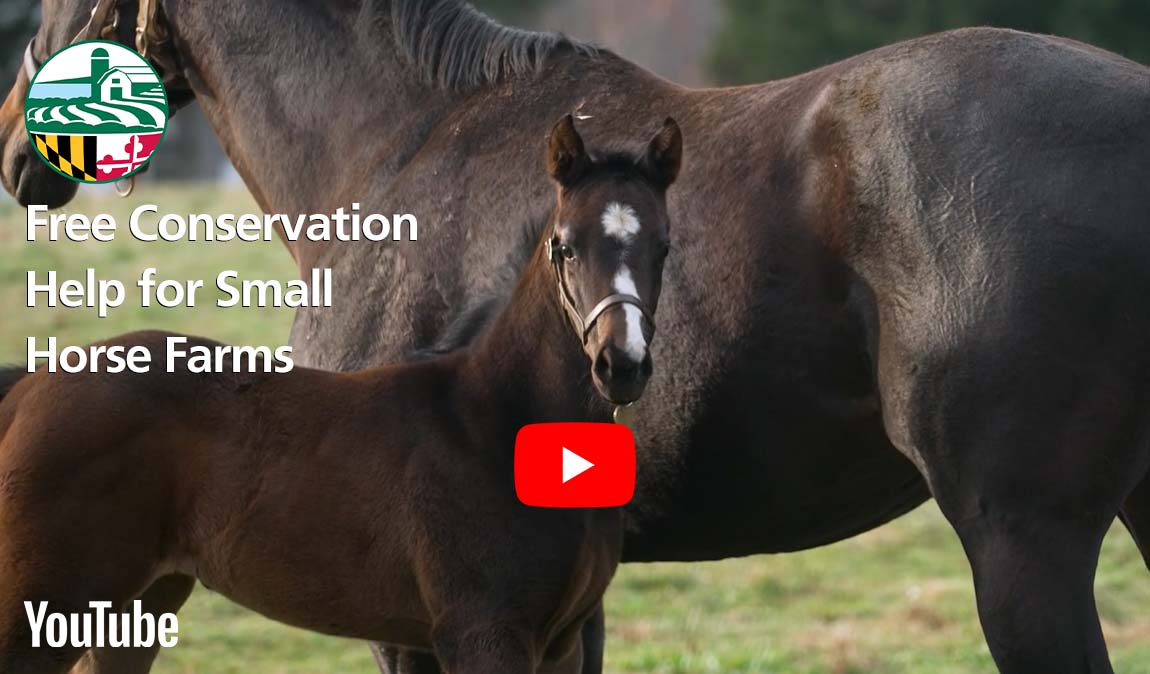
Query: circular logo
(96, 111)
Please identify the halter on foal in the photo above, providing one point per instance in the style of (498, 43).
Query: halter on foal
(376, 505)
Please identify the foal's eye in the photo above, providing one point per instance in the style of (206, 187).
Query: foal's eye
(566, 251)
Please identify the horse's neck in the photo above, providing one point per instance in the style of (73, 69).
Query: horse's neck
(530, 358)
(297, 90)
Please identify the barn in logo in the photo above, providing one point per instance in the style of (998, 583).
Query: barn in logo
(96, 111)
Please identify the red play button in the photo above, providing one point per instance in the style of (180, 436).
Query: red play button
(574, 465)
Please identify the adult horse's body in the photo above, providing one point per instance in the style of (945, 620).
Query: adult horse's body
(925, 265)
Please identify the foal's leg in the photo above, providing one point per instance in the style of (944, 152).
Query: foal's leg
(166, 595)
(68, 551)
(18, 656)
(35, 577)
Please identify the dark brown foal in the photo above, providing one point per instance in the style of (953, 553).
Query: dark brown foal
(376, 505)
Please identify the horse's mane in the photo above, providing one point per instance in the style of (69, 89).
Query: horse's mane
(458, 47)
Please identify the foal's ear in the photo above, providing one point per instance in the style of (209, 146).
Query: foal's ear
(665, 154)
(566, 157)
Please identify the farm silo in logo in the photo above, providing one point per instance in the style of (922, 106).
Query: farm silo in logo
(96, 111)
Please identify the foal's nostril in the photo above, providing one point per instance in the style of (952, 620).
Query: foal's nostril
(614, 365)
(619, 376)
(602, 365)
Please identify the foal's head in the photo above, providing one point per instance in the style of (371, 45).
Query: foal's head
(609, 236)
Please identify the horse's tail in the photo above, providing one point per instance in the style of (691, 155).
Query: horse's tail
(9, 376)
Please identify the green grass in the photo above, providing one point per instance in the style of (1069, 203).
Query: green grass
(897, 600)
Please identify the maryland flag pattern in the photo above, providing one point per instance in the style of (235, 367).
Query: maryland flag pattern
(96, 111)
(72, 155)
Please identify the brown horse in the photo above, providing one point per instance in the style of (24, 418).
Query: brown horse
(913, 273)
(376, 505)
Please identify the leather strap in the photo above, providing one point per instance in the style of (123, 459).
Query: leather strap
(93, 30)
(608, 302)
(150, 31)
(581, 323)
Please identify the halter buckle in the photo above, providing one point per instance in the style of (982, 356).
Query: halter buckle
(551, 248)
(624, 415)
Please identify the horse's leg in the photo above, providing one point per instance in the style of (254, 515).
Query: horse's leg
(394, 660)
(1136, 516)
(594, 638)
(488, 648)
(1034, 583)
(1030, 459)
(166, 595)
(1033, 556)
(1031, 504)
(386, 658)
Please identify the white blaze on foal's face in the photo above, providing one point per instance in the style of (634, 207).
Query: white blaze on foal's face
(621, 223)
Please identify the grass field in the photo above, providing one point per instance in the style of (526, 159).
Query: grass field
(897, 600)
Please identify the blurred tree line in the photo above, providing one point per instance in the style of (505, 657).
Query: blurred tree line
(767, 39)
(18, 21)
(511, 11)
(755, 40)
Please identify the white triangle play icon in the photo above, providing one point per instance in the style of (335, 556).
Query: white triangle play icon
(573, 465)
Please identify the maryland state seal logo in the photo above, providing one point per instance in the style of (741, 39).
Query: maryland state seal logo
(96, 111)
